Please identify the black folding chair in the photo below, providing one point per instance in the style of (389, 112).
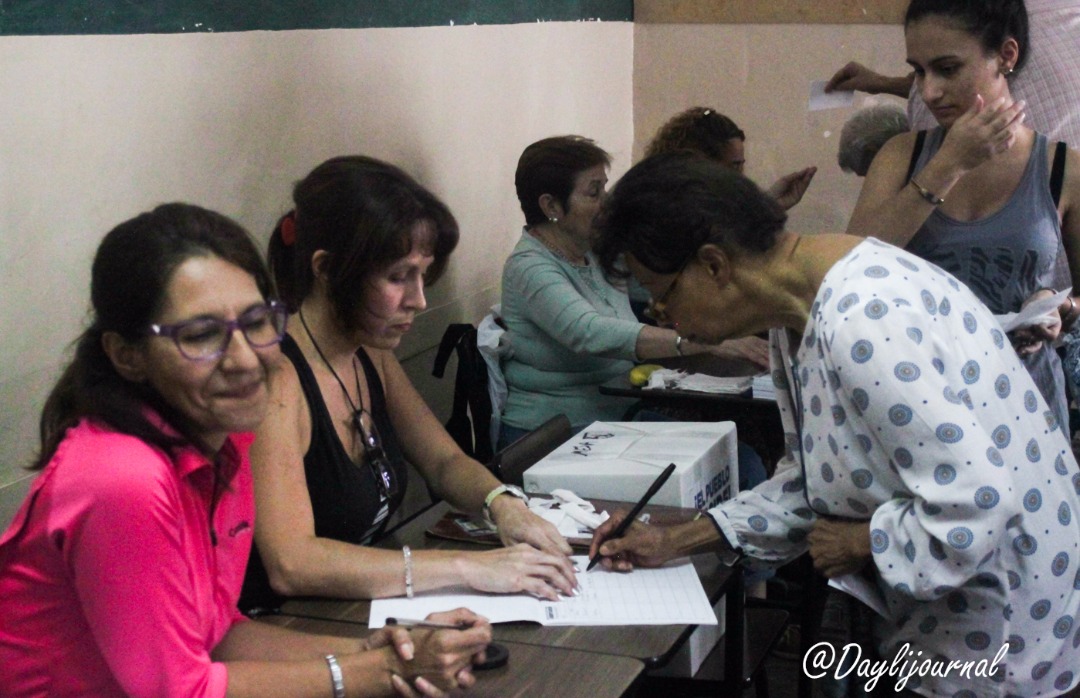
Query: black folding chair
(510, 463)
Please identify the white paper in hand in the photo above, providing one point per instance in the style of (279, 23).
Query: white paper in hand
(1040, 312)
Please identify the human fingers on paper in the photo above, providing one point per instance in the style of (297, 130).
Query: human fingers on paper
(520, 525)
(522, 568)
(753, 349)
(641, 545)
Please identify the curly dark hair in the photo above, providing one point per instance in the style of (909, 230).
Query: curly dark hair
(699, 129)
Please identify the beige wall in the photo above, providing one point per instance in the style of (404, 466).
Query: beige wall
(760, 76)
(95, 129)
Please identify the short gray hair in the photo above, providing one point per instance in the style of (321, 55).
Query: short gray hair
(864, 134)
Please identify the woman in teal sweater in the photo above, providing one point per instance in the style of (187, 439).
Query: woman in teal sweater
(570, 328)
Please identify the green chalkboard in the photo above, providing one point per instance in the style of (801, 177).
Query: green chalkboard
(177, 16)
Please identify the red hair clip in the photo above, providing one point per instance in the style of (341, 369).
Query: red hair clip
(288, 229)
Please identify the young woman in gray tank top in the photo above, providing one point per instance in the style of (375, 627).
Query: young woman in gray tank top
(975, 195)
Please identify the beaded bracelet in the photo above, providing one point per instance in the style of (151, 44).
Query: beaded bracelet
(407, 552)
(929, 196)
(336, 678)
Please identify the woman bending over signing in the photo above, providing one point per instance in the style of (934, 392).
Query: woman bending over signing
(921, 453)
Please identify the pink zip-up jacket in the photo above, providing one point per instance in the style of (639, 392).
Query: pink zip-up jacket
(113, 578)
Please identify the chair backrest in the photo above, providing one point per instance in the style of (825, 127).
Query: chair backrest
(510, 464)
(470, 421)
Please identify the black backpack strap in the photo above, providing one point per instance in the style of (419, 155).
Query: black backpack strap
(1057, 172)
(470, 419)
(920, 138)
(450, 339)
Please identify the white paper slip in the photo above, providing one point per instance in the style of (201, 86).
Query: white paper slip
(858, 586)
(819, 99)
(1040, 312)
(659, 596)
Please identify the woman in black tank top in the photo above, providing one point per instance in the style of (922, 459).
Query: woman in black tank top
(351, 260)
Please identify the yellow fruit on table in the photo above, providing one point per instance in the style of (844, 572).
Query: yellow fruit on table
(639, 375)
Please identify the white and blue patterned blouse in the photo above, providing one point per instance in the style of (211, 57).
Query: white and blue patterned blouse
(917, 416)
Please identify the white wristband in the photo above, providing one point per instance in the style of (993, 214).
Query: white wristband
(336, 678)
(407, 552)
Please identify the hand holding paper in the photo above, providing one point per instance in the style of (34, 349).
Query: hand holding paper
(1043, 311)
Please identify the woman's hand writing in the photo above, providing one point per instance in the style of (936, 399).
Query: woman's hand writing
(642, 545)
(840, 547)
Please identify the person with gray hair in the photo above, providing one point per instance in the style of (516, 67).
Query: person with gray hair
(864, 134)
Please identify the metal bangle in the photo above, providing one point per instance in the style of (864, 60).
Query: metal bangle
(678, 344)
(407, 552)
(927, 195)
(336, 678)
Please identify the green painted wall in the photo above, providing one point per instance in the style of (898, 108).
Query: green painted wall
(178, 16)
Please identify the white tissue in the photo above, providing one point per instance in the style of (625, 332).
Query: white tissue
(572, 515)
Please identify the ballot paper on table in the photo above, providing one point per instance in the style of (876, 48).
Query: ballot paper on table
(1043, 311)
(666, 595)
(671, 379)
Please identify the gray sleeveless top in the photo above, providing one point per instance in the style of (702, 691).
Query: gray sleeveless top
(1005, 257)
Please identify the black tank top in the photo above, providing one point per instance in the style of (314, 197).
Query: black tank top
(344, 495)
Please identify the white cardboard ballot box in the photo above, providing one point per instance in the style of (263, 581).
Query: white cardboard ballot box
(619, 460)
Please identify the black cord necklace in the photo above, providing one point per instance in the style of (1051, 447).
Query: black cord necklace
(356, 375)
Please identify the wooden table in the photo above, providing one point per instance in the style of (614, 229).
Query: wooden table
(533, 670)
(651, 644)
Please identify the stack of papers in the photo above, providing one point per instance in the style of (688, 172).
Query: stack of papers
(666, 595)
(670, 379)
(763, 386)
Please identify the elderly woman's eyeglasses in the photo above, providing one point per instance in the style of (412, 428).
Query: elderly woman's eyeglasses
(207, 338)
(374, 454)
(657, 309)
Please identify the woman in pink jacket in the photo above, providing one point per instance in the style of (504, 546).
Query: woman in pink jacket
(121, 571)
